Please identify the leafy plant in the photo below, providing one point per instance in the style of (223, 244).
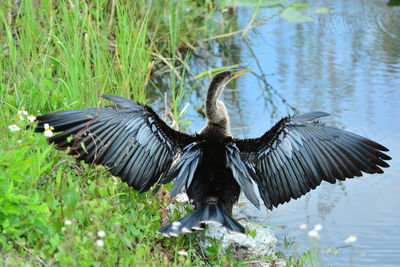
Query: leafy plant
(58, 55)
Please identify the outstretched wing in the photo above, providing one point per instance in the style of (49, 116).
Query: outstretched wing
(298, 153)
(129, 139)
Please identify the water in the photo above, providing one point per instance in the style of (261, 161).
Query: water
(346, 63)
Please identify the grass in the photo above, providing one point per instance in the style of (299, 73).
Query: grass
(63, 55)
(59, 55)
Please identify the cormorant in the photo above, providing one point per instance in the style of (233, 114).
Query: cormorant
(289, 160)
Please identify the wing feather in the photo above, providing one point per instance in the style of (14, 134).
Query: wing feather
(243, 173)
(184, 170)
(129, 139)
(298, 153)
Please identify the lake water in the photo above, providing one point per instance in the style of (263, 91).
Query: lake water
(346, 63)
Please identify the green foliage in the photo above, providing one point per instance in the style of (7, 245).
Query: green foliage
(255, 3)
(296, 12)
(59, 55)
(63, 55)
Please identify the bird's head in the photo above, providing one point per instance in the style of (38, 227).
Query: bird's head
(222, 79)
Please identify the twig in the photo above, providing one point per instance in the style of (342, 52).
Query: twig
(245, 29)
(164, 116)
(163, 59)
(168, 112)
(253, 17)
(264, 81)
(110, 21)
(17, 147)
(30, 252)
(179, 57)
(151, 64)
(10, 16)
(51, 18)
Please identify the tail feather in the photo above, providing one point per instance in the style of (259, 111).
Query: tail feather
(197, 220)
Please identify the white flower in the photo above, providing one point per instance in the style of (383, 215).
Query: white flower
(23, 111)
(182, 252)
(99, 243)
(63, 229)
(31, 118)
(13, 128)
(48, 133)
(350, 239)
(67, 222)
(48, 130)
(313, 234)
(182, 198)
(101, 233)
(317, 227)
(303, 226)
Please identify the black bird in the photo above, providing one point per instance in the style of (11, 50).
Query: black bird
(289, 160)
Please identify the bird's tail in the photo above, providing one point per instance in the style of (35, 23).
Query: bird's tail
(197, 220)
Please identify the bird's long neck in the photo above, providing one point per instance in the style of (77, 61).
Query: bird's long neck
(217, 115)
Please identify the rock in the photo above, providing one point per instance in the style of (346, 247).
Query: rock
(244, 246)
(261, 263)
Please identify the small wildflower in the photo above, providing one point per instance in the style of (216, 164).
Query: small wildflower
(303, 226)
(317, 227)
(31, 118)
(101, 233)
(99, 243)
(182, 198)
(23, 111)
(48, 130)
(182, 252)
(313, 234)
(350, 239)
(13, 128)
(48, 133)
(63, 229)
(67, 222)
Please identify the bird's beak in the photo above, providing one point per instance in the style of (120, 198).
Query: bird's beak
(240, 73)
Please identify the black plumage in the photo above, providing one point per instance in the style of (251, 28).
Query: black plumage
(295, 156)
